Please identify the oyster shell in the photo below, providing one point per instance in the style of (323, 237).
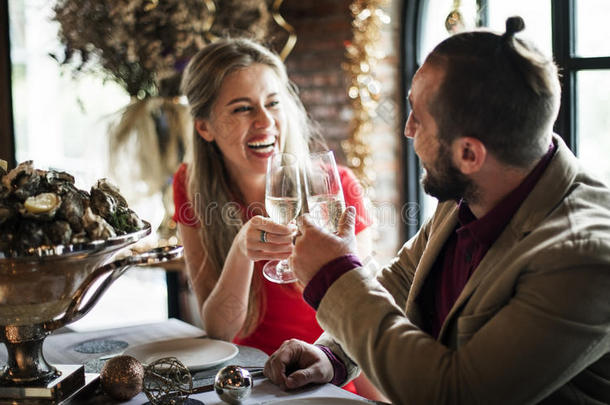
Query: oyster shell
(29, 235)
(96, 226)
(105, 198)
(73, 207)
(42, 206)
(59, 182)
(107, 202)
(44, 209)
(59, 232)
(23, 181)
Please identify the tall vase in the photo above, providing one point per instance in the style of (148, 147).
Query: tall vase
(147, 144)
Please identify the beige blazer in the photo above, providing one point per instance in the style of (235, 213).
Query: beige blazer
(531, 325)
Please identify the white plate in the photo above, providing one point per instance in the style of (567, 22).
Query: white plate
(194, 353)
(319, 401)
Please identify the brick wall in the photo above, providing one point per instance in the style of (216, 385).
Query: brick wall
(314, 65)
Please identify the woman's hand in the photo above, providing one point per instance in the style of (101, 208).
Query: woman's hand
(263, 239)
(224, 309)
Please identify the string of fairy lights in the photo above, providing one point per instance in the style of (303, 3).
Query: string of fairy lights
(362, 56)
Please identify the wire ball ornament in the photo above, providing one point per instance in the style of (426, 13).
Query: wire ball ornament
(167, 381)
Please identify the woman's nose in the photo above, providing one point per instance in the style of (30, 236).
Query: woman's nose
(263, 118)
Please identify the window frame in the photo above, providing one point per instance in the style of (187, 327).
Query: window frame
(563, 43)
(411, 169)
(7, 140)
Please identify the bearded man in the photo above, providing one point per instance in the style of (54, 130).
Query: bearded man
(503, 296)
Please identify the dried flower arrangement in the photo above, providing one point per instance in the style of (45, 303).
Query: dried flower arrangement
(142, 44)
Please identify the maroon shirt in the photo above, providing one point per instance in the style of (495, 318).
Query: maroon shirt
(467, 246)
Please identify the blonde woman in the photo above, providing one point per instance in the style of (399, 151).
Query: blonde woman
(244, 109)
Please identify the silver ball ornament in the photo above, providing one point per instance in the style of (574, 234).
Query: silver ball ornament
(233, 384)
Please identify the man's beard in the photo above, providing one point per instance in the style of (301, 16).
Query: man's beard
(445, 181)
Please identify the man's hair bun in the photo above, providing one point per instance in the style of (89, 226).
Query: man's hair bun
(514, 25)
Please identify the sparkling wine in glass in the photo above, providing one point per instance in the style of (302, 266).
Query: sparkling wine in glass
(283, 203)
(324, 191)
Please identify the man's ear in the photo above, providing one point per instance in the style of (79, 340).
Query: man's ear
(203, 129)
(469, 154)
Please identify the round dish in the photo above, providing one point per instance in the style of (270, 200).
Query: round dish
(194, 353)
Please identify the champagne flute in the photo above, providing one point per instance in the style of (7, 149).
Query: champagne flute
(283, 203)
(324, 192)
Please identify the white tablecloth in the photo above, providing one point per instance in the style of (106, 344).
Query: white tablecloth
(264, 392)
(61, 348)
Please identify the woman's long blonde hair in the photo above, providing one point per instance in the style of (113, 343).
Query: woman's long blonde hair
(210, 187)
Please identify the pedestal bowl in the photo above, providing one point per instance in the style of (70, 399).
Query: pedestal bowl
(52, 287)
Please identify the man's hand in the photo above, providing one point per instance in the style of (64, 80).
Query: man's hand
(314, 247)
(296, 364)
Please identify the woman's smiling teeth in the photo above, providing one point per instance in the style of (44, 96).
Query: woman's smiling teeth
(263, 145)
